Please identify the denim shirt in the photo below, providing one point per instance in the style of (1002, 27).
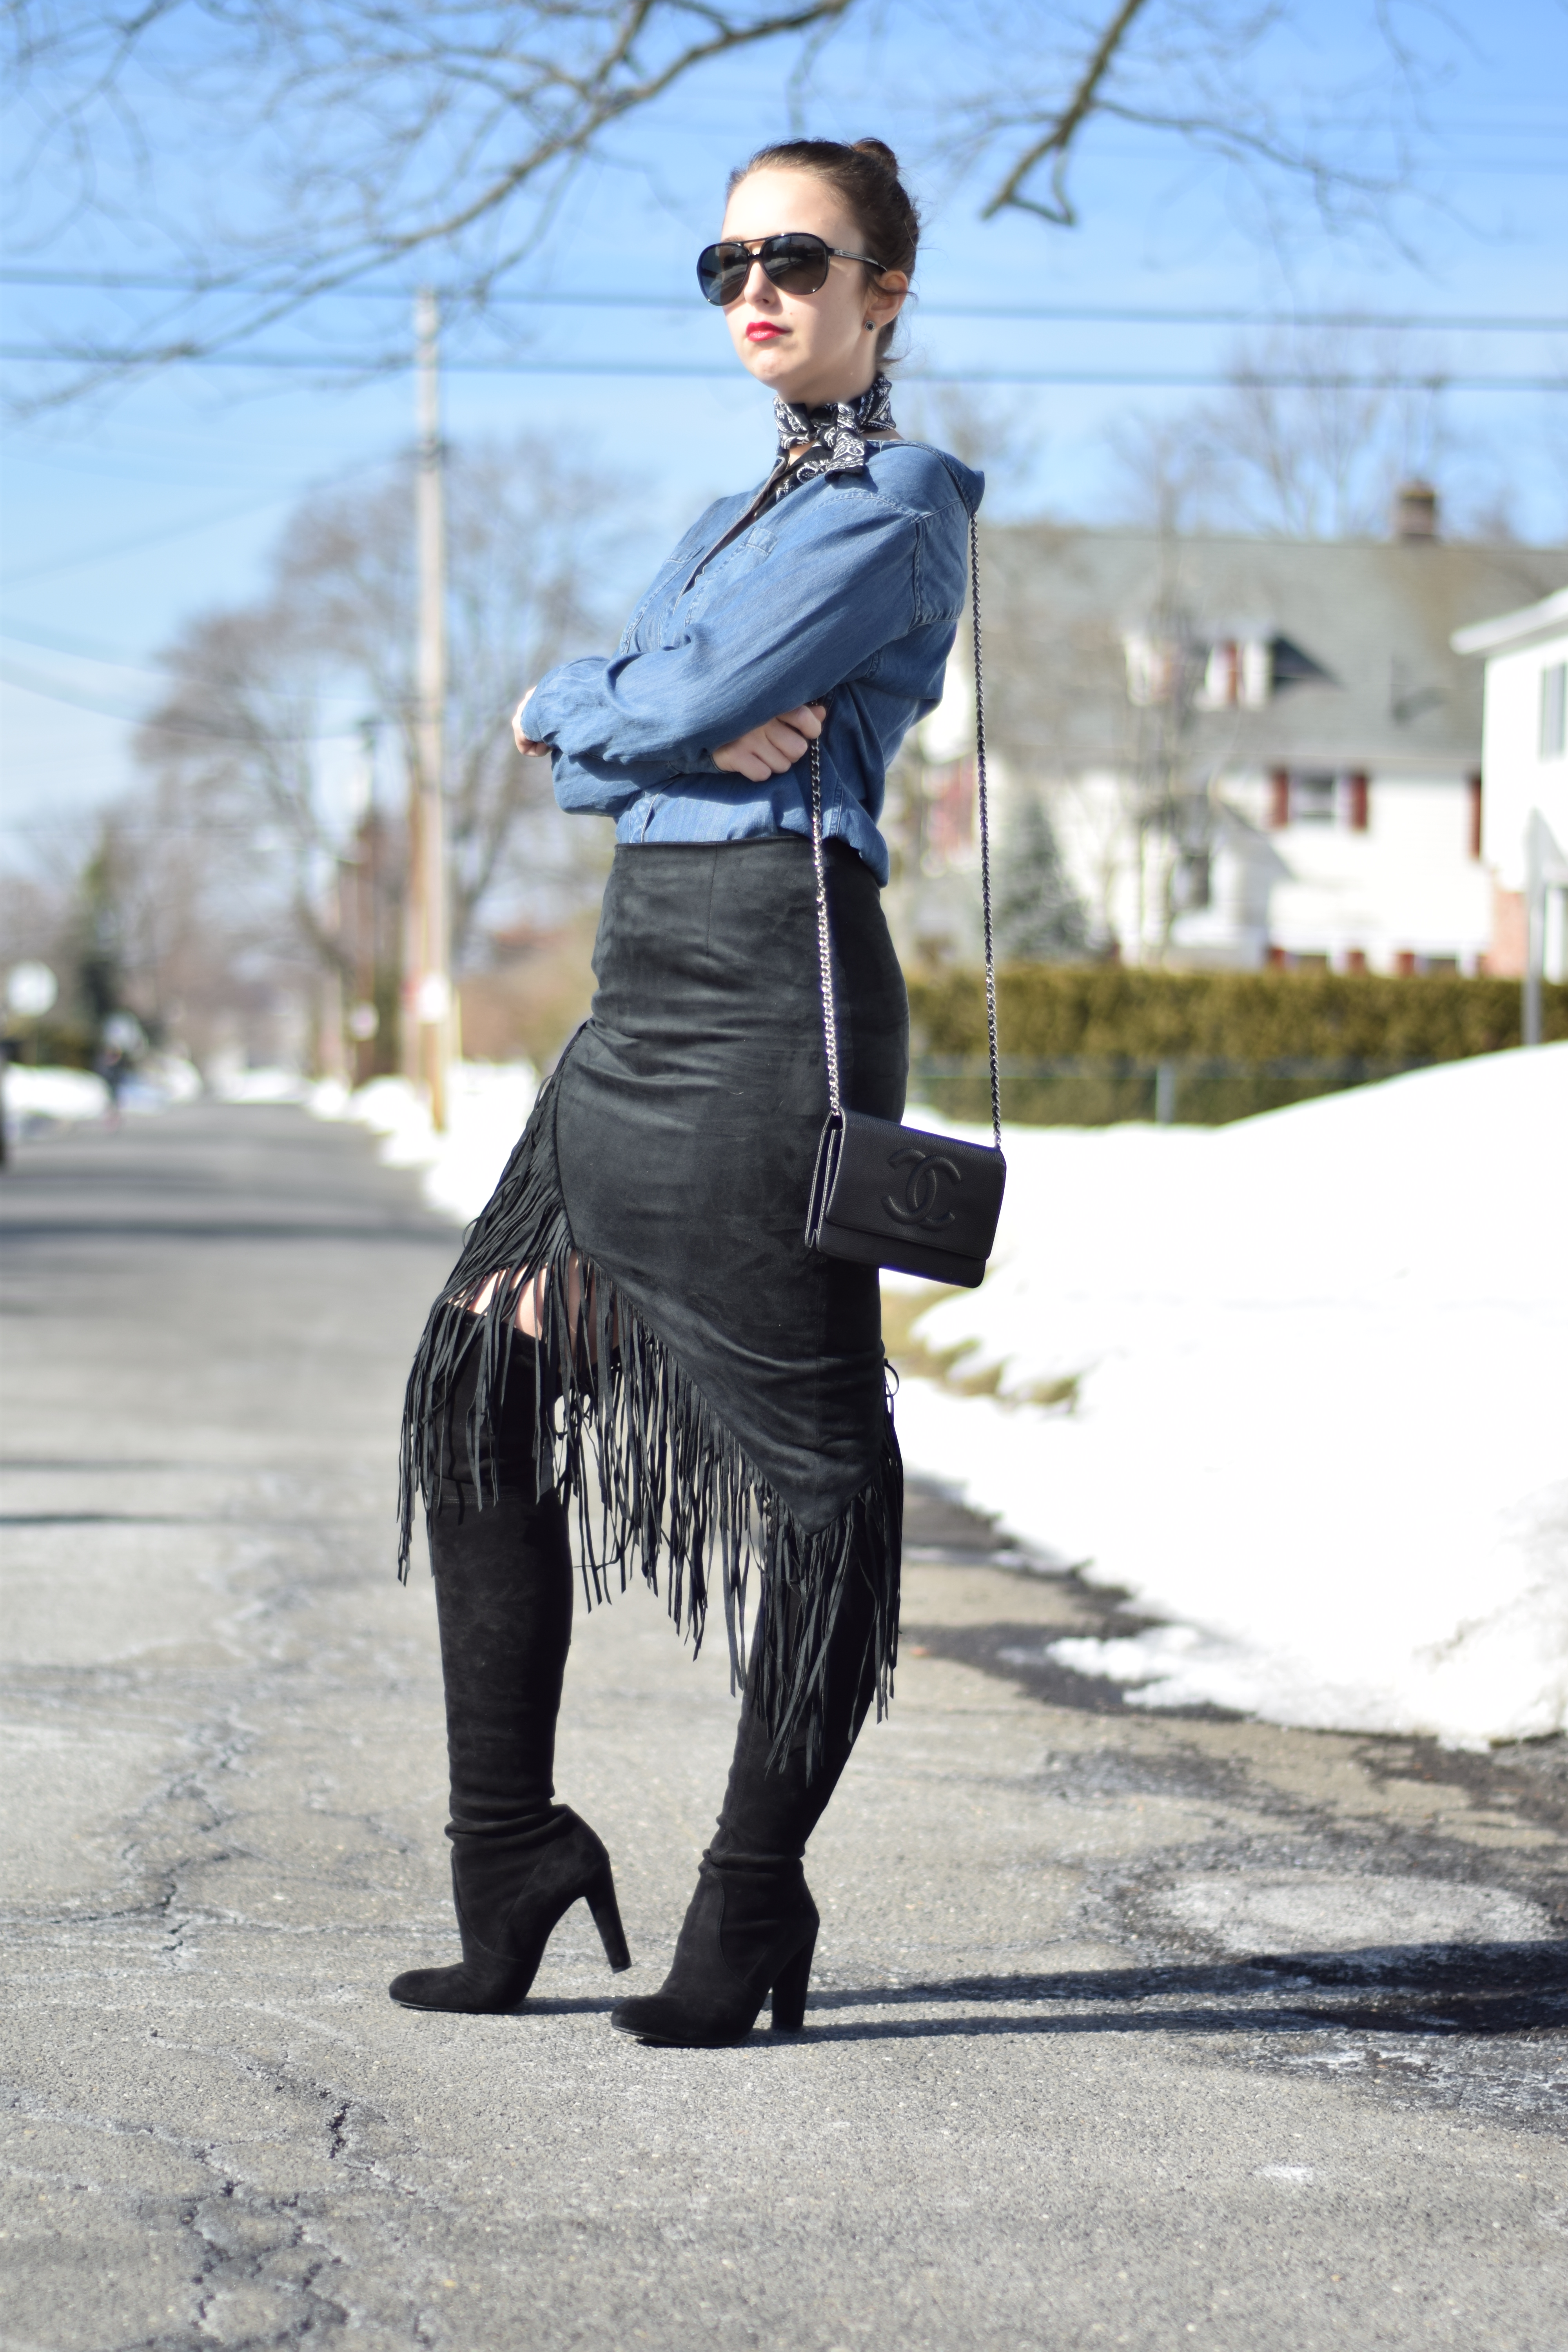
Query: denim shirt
(848, 590)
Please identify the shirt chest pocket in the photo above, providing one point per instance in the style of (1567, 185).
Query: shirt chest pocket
(718, 577)
(644, 628)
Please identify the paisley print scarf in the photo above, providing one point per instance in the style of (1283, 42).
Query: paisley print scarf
(835, 431)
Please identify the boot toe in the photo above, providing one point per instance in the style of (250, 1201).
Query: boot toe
(679, 2022)
(453, 1990)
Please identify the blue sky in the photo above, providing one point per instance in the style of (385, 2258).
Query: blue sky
(125, 518)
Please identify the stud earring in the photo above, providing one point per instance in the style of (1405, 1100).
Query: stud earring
(868, 324)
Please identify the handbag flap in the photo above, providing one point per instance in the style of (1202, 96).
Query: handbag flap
(899, 1181)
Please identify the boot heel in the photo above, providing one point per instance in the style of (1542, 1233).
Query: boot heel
(607, 1919)
(790, 1989)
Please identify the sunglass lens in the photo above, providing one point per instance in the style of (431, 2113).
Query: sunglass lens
(722, 271)
(797, 265)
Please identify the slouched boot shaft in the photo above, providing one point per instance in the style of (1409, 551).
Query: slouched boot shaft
(503, 1575)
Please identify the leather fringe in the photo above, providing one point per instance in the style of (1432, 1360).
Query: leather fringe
(632, 1447)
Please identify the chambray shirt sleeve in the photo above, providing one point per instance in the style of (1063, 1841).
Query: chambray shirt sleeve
(770, 636)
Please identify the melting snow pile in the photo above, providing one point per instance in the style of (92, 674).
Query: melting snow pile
(1322, 1412)
(488, 1107)
(37, 1099)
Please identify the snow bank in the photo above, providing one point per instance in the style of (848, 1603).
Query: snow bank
(37, 1099)
(1320, 1422)
(50, 1097)
(487, 1105)
(232, 1082)
(159, 1083)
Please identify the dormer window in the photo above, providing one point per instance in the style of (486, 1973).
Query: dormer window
(1238, 674)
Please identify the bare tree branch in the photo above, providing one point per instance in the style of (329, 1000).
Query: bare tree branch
(1058, 138)
(359, 136)
(240, 729)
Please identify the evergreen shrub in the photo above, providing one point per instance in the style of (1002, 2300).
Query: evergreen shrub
(1107, 1011)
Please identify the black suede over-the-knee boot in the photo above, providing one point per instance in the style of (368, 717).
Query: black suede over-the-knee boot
(503, 1579)
(750, 1926)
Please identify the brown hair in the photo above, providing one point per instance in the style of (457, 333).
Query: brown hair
(867, 176)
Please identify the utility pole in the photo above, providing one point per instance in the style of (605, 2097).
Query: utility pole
(428, 994)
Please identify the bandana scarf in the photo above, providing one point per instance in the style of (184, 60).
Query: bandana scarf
(835, 432)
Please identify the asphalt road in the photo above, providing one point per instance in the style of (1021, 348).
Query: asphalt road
(1127, 2029)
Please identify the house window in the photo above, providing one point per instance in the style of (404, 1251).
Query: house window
(1554, 711)
(1312, 799)
(1319, 796)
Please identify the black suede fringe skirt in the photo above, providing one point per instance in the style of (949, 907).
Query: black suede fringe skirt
(710, 1393)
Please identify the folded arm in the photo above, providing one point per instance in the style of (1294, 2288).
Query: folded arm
(774, 636)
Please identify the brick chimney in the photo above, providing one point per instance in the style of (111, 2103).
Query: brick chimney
(1415, 511)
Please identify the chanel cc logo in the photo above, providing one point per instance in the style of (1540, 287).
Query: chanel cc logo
(921, 1188)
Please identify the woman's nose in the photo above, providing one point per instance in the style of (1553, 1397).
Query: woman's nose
(754, 290)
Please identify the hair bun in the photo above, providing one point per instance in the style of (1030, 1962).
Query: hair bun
(880, 151)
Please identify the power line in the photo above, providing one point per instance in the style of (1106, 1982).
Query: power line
(176, 530)
(145, 539)
(25, 684)
(1056, 314)
(1146, 379)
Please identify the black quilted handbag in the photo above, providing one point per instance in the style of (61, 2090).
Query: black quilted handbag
(888, 1195)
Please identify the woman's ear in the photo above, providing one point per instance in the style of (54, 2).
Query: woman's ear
(885, 297)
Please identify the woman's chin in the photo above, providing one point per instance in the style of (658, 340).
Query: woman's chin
(772, 365)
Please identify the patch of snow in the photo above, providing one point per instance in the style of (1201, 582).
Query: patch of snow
(1325, 1911)
(161, 1082)
(1321, 1422)
(487, 1108)
(52, 1097)
(233, 1083)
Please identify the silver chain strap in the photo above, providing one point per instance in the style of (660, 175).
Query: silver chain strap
(985, 835)
(824, 942)
(824, 937)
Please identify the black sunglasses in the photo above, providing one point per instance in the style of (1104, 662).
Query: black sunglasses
(797, 262)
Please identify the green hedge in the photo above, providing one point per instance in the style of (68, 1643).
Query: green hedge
(1106, 1011)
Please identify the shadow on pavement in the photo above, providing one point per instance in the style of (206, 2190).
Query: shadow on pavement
(1490, 1989)
(1455, 1989)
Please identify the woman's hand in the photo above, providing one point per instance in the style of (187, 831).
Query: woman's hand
(529, 745)
(773, 748)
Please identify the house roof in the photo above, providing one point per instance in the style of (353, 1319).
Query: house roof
(1547, 619)
(1374, 618)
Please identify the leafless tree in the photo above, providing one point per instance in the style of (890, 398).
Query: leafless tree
(527, 541)
(1322, 460)
(154, 906)
(361, 135)
(1309, 438)
(262, 692)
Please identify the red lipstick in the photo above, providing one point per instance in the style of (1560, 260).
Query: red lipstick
(762, 331)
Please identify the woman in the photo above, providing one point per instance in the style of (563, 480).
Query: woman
(638, 1290)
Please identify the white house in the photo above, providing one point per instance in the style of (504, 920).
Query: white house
(1524, 758)
(1253, 750)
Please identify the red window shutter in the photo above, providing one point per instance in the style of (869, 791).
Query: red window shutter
(1358, 804)
(1473, 788)
(1279, 798)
